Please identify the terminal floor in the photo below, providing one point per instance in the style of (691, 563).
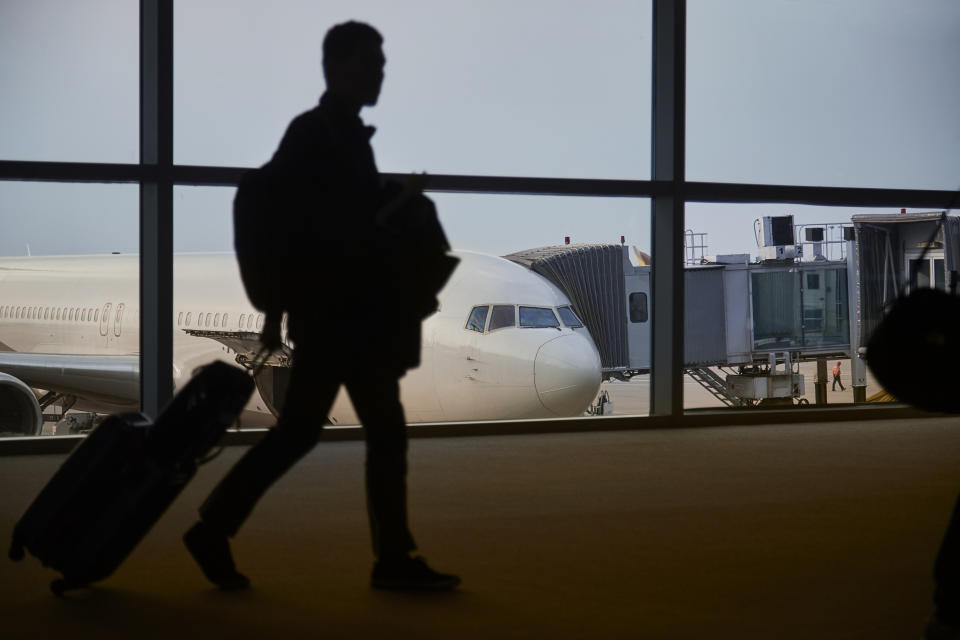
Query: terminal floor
(795, 531)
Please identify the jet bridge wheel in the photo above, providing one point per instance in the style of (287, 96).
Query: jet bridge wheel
(802, 402)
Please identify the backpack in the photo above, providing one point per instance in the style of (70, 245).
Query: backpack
(258, 239)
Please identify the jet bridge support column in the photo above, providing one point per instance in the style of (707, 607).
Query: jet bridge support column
(858, 367)
(820, 384)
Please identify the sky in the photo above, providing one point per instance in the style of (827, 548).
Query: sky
(827, 92)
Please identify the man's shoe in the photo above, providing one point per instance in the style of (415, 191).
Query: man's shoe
(212, 553)
(410, 574)
(937, 629)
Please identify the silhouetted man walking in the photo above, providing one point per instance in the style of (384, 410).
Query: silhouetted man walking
(349, 326)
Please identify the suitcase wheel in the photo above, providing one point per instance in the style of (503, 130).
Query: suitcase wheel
(58, 586)
(16, 550)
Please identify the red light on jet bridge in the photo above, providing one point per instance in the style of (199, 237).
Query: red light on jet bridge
(902, 211)
(623, 240)
(566, 239)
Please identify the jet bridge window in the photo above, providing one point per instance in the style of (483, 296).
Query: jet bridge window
(478, 318)
(788, 313)
(638, 307)
(538, 318)
(569, 318)
(502, 316)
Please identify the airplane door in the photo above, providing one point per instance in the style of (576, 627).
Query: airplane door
(105, 319)
(637, 287)
(117, 320)
(928, 272)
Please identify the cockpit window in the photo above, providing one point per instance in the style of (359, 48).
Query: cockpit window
(478, 318)
(502, 316)
(538, 317)
(569, 318)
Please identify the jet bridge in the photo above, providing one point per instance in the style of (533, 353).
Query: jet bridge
(759, 319)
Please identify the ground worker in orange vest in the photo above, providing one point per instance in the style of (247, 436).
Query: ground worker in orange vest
(836, 378)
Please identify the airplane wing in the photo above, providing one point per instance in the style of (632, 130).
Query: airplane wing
(114, 378)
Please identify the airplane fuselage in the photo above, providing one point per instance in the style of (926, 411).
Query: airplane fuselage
(89, 306)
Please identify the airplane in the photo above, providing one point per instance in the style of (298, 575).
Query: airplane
(504, 343)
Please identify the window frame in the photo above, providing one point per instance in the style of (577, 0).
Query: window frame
(553, 312)
(486, 317)
(493, 310)
(668, 189)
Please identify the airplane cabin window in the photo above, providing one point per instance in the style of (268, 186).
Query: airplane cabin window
(569, 318)
(189, 317)
(96, 315)
(478, 318)
(538, 318)
(225, 316)
(250, 321)
(243, 317)
(259, 321)
(209, 317)
(502, 316)
(216, 320)
(180, 319)
(83, 315)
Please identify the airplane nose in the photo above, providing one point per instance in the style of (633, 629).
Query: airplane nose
(566, 374)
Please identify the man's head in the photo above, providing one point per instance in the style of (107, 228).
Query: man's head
(353, 62)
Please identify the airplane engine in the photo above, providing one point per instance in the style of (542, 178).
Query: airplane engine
(20, 412)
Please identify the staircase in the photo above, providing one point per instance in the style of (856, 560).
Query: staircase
(716, 385)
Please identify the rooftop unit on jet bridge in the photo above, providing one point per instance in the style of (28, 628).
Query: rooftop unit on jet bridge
(750, 316)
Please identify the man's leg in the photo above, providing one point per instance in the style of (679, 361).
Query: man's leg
(376, 399)
(301, 422)
(377, 402)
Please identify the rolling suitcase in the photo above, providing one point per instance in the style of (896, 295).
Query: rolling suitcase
(118, 482)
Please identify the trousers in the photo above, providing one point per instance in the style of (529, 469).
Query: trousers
(312, 389)
(837, 381)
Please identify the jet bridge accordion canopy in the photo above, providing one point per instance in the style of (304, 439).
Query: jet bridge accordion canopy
(592, 276)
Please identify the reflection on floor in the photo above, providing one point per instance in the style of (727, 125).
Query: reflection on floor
(798, 531)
